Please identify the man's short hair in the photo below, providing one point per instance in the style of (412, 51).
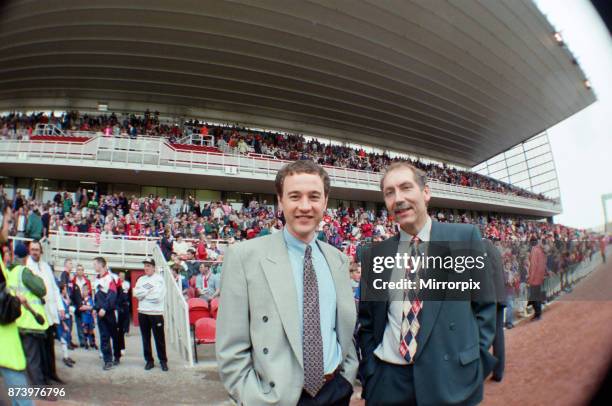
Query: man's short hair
(419, 176)
(67, 260)
(301, 166)
(100, 260)
(37, 243)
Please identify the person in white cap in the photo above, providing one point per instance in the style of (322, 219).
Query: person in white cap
(150, 290)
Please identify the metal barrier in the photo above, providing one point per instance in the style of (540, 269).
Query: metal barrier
(118, 252)
(176, 314)
(552, 283)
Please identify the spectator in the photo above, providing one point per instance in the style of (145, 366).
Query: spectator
(79, 284)
(192, 264)
(180, 246)
(207, 284)
(21, 222)
(86, 312)
(105, 304)
(123, 310)
(64, 327)
(537, 272)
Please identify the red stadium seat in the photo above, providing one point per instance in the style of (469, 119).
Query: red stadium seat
(198, 308)
(205, 333)
(59, 138)
(194, 148)
(197, 302)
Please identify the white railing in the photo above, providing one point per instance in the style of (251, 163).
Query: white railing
(191, 135)
(176, 316)
(48, 129)
(84, 247)
(157, 152)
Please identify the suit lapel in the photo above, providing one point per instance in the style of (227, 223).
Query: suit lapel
(387, 249)
(278, 272)
(431, 308)
(344, 307)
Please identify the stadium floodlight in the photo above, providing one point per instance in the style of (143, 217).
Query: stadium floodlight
(102, 106)
(558, 37)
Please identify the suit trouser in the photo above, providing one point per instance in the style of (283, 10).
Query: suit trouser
(391, 385)
(155, 323)
(33, 347)
(336, 392)
(499, 348)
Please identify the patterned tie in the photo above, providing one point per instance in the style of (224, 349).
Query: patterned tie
(410, 311)
(313, 343)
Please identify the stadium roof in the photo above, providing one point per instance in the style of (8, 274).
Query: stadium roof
(455, 81)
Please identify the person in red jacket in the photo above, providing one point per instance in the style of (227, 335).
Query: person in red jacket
(537, 273)
(201, 253)
(366, 230)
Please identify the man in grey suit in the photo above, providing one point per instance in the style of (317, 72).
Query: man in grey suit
(417, 351)
(286, 313)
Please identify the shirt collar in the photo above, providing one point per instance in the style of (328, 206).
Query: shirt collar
(423, 234)
(294, 244)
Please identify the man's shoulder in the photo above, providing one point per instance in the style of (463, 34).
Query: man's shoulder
(453, 231)
(254, 246)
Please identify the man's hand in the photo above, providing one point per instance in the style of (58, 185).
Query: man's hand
(62, 314)
(101, 312)
(22, 299)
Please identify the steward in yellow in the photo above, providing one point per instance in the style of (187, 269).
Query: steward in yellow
(32, 323)
(12, 358)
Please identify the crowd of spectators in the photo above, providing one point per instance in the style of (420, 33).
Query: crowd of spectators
(175, 221)
(237, 140)
(192, 235)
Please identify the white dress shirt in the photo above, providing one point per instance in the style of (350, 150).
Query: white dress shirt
(388, 349)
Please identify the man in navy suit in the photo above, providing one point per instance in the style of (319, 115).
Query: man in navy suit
(419, 351)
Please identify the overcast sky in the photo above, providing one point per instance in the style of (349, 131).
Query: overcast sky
(582, 144)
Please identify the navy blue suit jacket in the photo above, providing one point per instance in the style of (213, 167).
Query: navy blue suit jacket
(452, 357)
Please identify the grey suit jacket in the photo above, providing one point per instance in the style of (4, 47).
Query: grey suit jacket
(259, 348)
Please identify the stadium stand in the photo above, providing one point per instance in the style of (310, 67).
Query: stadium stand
(236, 140)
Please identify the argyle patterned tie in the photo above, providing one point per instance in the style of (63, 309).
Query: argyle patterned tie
(410, 311)
(313, 343)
